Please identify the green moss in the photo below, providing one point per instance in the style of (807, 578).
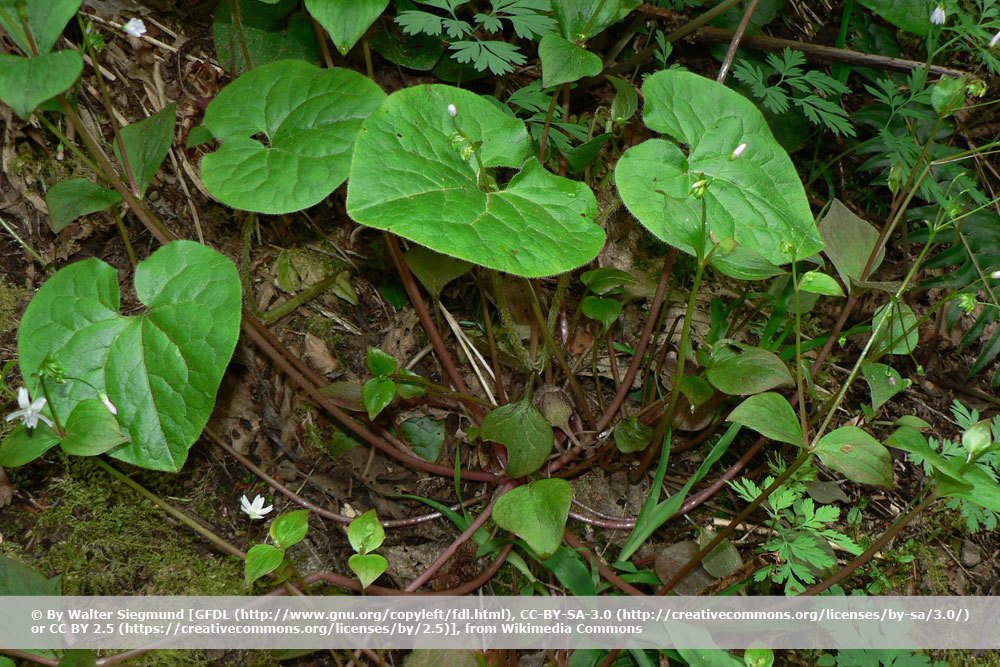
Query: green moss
(10, 299)
(105, 540)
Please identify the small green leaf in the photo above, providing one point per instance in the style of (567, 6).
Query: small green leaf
(425, 436)
(346, 20)
(377, 394)
(17, 579)
(900, 334)
(857, 455)
(522, 429)
(287, 130)
(27, 82)
(631, 435)
(849, 242)
(22, 446)
(606, 281)
(46, 20)
(771, 415)
(912, 421)
(160, 367)
(272, 31)
(262, 559)
(68, 200)
(434, 270)
(948, 95)
(418, 52)
(759, 656)
(626, 100)
(368, 567)
(199, 135)
(147, 143)
(816, 282)
(911, 15)
(723, 559)
(380, 363)
(605, 311)
(565, 62)
(91, 429)
(883, 381)
(415, 173)
(290, 528)
(740, 370)
(580, 157)
(365, 533)
(536, 513)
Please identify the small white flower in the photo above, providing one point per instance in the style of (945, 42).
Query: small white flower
(995, 40)
(995, 275)
(135, 27)
(30, 412)
(256, 509)
(108, 404)
(452, 111)
(938, 17)
(738, 151)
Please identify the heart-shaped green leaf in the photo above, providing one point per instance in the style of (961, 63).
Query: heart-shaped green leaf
(602, 310)
(754, 194)
(536, 513)
(743, 369)
(424, 435)
(346, 20)
(415, 173)
(290, 528)
(22, 446)
(522, 429)
(27, 82)
(884, 382)
(579, 20)
(857, 455)
(564, 62)
(147, 143)
(68, 200)
(46, 19)
(366, 533)
(162, 367)
(261, 559)
(771, 415)
(434, 270)
(287, 130)
(368, 567)
(91, 429)
(378, 394)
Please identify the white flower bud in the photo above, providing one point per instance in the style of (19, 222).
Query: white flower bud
(738, 151)
(995, 40)
(938, 16)
(452, 111)
(135, 27)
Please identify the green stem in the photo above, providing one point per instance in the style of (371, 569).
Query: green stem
(799, 387)
(124, 232)
(24, 244)
(60, 431)
(304, 296)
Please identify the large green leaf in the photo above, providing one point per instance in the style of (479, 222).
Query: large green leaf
(287, 130)
(147, 143)
(27, 82)
(68, 200)
(771, 415)
(91, 429)
(346, 20)
(271, 31)
(743, 369)
(857, 455)
(536, 513)
(161, 367)
(415, 174)
(910, 15)
(522, 429)
(46, 19)
(579, 20)
(564, 62)
(756, 198)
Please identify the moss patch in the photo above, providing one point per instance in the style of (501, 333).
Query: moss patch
(10, 299)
